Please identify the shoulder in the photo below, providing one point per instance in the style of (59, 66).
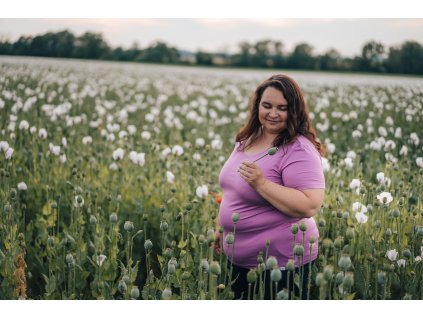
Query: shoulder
(302, 144)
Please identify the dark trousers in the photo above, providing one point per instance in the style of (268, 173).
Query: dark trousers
(240, 286)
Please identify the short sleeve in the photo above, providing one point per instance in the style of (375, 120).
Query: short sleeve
(303, 168)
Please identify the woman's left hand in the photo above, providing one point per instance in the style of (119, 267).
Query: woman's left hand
(252, 174)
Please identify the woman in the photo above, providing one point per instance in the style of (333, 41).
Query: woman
(274, 192)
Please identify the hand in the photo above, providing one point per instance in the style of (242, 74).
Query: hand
(216, 242)
(252, 174)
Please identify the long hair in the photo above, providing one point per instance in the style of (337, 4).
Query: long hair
(298, 122)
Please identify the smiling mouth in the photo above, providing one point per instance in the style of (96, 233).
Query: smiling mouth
(273, 121)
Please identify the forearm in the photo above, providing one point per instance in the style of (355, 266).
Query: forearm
(290, 201)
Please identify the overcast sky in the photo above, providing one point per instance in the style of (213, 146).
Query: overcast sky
(346, 35)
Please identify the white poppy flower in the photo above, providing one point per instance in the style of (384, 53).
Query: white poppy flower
(100, 259)
(170, 177)
(202, 191)
(22, 186)
(361, 217)
(42, 133)
(401, 262)
(385, 198)
(177, 150)
(118, 154)
(355, 183)
(9, 153)
(23, 125)
(145, 135)
(392, 254)
(87, 140)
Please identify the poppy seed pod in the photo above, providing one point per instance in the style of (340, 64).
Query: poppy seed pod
(205, 265)
(298, 250)
(348, 280)
(290, 265)
(164, 226)
(303, 226)
(128, 226)
(294, 228)
(275, 275)
(344, 262)
(271, 262)
(148, 245)
(229, 238)
(282, 295)
(135, 292)
(252, 276)
(235, 217)
(215, 268)
(328, 272)
(320, 280)
(339, 278)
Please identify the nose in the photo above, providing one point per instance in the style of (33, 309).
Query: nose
(273, 113)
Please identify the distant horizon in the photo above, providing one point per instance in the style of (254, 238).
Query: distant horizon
(347, 36)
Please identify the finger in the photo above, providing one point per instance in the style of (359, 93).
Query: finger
(245, 169)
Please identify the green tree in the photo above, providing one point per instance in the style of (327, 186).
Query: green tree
(204, 58)
(372, 56)
(302, 57)
(90, 45)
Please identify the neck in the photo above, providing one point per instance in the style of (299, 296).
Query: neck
(268, 137)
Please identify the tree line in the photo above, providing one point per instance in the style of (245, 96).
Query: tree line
(375, 56)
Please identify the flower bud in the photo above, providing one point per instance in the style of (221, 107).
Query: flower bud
(327, 243)
(13, 194)
(252, 276)
(271, 262)
(303, 226)
(312, 240)
(69, 258)
(171, 268)
(205, 265)
(164, 226)
(186, 275)
(50, 241)
(406, 253)
(167, 294)
(135, 292)
(113, 218)
(122, 287)
(201, 239)
(275, 275)
(126, 279)
(7, 208)
(322, 223)
(93, 220)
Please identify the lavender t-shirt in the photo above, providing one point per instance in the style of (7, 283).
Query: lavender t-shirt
(297, 165)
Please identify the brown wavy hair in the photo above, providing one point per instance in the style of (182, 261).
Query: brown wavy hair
(298, 122)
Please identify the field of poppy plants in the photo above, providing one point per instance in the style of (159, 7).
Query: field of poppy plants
(109, 182)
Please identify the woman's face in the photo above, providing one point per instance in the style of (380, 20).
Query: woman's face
(273, 111)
